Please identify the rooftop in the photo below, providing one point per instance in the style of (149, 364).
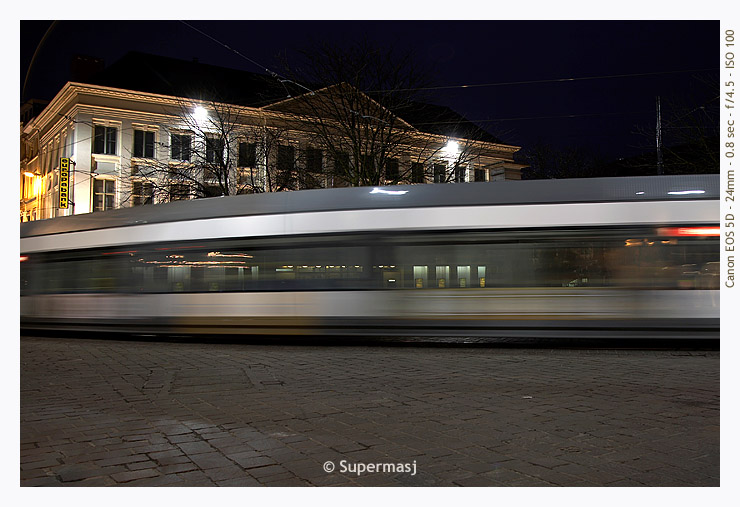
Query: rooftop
(182, 78)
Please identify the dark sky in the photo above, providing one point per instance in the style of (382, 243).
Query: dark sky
(600, 114)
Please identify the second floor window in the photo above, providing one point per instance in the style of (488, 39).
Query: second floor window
(440, 175)
(314, 161)
(180, 147)
(459, 174)
(247, 155)
(391, 169)
(417, 172)
(214, 149)
(143, 144)
(104, 141)
(285, 158)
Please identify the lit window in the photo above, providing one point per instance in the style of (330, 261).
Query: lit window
(104, 195)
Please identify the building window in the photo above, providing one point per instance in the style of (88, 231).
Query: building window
(214, 149)
(285, 158)
(367, 163)
(417, 172)
(439, 173)
(104, 195)
(285, 165)
(341, 170)
(143, 144)
(247, 155)
(314, 161)
(143, 193)
(341, 164)
(212, 191)
(391, 169)
(180, 147)
(244, 176)
(105, 140)
(480, 174)
(459, 173)
(179, 191)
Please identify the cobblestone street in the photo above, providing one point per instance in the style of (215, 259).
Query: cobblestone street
(137, 413)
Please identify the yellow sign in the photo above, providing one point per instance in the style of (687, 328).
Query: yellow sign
(64, 183)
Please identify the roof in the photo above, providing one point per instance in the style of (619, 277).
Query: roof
(182, 78)
(641, 188)
(442, 120)
(170, 76)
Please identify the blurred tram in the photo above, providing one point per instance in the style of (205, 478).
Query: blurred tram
(602, 257)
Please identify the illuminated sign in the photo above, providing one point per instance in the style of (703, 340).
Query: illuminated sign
(64, 183)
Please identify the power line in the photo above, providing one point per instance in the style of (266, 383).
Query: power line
(559, 80)
(281, 79)
(539, 117)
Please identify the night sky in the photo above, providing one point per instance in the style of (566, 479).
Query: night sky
(599, 114)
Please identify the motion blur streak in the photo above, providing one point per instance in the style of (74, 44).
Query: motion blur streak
(405, 267)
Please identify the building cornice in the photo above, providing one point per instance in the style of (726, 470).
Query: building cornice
(71, 101)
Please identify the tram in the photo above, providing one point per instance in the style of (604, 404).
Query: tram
(603, 257)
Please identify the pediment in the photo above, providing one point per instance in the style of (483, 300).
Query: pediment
(335, 102)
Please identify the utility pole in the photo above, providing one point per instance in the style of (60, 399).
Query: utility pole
(659, 137)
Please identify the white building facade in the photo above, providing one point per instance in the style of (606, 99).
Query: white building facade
(109, 134)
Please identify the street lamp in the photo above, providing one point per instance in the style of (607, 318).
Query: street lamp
(451, 149)
(200, 115)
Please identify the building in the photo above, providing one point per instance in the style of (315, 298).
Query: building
(151, 129)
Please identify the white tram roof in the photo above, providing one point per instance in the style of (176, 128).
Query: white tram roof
(639, 188)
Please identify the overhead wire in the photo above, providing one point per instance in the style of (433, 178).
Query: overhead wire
(537, 81)
(280, 78)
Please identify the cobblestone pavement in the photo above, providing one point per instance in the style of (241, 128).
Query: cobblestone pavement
(133, 413)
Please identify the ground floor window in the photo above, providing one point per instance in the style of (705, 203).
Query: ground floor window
(142, 193)
(104, 195)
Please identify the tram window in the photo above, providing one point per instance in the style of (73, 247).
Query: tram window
(442, 275)
(463, 275)
(462, 260)
(420, 277)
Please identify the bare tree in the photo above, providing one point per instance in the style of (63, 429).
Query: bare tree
(357, 119)
(208, 150)
(546, 161)
(351, 132)
(195, 156)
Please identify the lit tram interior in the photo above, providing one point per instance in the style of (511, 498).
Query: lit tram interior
(683, 258)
